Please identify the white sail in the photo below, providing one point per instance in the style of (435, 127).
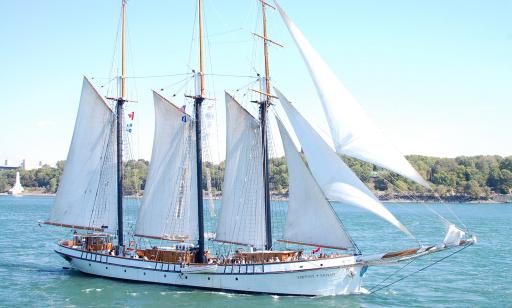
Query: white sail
(242, 215)
(352, 131)
(86, 197)
(17, 188)
(335, 178)
(169, 207)
(310, 218)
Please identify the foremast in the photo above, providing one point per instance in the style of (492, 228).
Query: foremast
(119, 149)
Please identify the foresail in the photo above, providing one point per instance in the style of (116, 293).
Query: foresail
(242, 215)
(335, 178)
(86, 197)
(169, 206)
(352, 131)
(310, 218)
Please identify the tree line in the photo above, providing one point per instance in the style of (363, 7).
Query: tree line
(472, 178)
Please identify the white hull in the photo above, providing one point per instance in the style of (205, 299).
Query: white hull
(335, 276)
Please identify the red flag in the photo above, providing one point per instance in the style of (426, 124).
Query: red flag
(182, 109)
(131, 115)
(317, 250)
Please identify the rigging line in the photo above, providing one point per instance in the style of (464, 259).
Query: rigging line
(176, 83)
(116, 45)
(193, 37)
(229, 75)
(156, 76)
(421, 269)
(392, 274)
(430, 208)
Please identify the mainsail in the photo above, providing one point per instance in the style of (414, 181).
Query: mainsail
(169, 207)
(310, 219)
(242, 216)
(352, 131)
(86, 197)
(335, 178)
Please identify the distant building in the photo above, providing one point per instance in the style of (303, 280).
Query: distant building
(24, 165)
(8, 165)
(30, 165)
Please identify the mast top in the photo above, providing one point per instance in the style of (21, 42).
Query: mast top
(123, 50)
(201, 49)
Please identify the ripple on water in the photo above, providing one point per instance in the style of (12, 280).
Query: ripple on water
(31, 273)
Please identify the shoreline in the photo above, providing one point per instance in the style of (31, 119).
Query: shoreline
(502, 199)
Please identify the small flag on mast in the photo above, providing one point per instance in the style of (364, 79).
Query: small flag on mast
(183, 117)
(131, 115)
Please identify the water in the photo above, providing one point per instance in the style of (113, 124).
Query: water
(31, 274)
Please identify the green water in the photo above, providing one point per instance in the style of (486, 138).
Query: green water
(31, 274)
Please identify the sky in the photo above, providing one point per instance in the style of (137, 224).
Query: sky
(435, 76)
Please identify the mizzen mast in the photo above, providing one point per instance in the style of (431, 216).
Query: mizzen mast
(120, 117)
(263, 111)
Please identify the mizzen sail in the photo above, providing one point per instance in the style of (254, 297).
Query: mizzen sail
(310, 218)
(169, 207)
(352, 131)
(86, 197)
(242, 215)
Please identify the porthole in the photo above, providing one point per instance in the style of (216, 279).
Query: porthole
(301, 266)
(144, 274)
(89, 264)
(106, 267)
(236, 278)
(125, 271)
(186, 277)
(321, 264)
(165, 276)
(208, 278)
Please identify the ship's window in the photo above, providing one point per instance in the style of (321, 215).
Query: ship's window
(165, 276)
(236, 278)
(106, 267)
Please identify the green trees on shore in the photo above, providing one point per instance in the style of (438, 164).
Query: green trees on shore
(476, 177)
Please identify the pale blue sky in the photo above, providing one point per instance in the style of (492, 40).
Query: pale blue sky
(436, 76)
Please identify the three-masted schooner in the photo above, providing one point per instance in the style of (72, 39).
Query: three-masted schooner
(89, 196)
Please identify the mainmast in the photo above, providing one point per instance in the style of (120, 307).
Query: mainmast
(198, 100)
(120, 116)
(263, 110)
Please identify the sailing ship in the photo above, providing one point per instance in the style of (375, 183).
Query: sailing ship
(90, 194)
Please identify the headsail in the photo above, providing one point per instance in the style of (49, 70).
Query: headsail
(335, 178)
(352, 131)
(310, 218)
(86, 197)
(242, 216)
(169, 207)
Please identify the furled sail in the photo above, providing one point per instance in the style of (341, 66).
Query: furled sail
(310, 219)
(242, 215)
(335, 178)
(169, 207)
(352, 131)
(86, 197)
